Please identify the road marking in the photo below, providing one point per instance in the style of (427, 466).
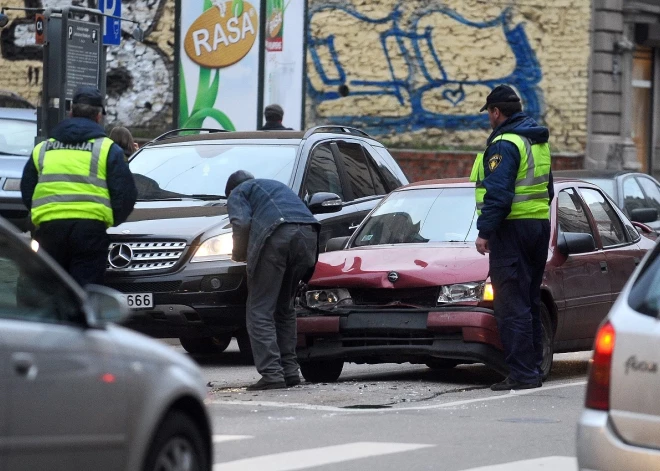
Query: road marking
(312, 457)
(549, 463)
(229, 438)
(445, 405)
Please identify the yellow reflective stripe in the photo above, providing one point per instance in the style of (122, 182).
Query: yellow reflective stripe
(77, 198)
(68, 178)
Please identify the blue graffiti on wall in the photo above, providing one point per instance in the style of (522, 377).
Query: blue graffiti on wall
(524, 78)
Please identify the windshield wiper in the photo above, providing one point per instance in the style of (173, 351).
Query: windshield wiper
(2, 152)
(160, 199)
(208, 197)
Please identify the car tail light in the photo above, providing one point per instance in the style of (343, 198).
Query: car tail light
(600, 368)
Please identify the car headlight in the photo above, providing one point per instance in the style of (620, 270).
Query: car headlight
(466, 292)
(328, 297)
(215, 248)
(12, 184)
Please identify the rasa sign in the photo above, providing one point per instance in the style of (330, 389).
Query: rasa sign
(219, 64)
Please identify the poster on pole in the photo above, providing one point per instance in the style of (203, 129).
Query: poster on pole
(219, 64)
(283, 68)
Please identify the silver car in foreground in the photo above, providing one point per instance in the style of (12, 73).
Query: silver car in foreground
(620, 426)
(80, 393)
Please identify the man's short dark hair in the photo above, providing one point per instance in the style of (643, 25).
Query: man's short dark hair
(507, 109)
(81, 110)
(236, 179)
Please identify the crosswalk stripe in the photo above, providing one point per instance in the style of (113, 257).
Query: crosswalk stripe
(229, 438)
(311, 457)
(549, 463)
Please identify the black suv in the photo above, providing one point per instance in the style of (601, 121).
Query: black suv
(172, 256)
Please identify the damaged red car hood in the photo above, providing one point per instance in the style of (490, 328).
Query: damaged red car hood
(417, 265)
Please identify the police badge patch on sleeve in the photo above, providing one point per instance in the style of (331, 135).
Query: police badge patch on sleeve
(494, 161)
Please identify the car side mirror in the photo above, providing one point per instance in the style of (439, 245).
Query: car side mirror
(336, 243)
(644, 215)
(323, 202)
(106, 304)
(575, 242)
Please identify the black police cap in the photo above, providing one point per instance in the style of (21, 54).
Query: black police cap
(501, 94)
(88, 95)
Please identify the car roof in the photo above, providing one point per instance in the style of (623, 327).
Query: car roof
(465, 182)
(23, 114)
(589, 173)
(235, 135)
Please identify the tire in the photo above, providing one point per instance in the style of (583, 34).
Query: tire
(243, 340)
(442, 364)
(178, 444)
(547, 341)
(206, 345)
(324, 371)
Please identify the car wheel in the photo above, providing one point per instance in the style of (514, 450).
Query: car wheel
(442, 364)
(324, 371)
(547, 341)
(244, 345)
(217, 344)
(178, 444)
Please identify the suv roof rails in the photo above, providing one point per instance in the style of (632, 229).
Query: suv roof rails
(181, 130)
(336, 128)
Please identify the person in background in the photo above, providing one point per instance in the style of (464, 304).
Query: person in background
(76, 185)
(274, 115)
(124, 139)
(274, 231)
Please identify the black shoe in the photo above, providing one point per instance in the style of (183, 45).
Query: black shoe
(509, 384)
(292, 381)
(262, 385)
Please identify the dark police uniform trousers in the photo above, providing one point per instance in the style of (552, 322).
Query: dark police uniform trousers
(287, 257)
(518, 252)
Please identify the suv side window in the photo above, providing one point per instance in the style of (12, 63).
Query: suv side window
(30, 291)
(322, 173)
(357, 170)
(608, 222)
(570, 213)
(393, 182)
(652, 192)
(633, 197)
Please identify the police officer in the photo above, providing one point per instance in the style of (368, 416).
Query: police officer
(513, 193)
(274, 231)
(76, 185)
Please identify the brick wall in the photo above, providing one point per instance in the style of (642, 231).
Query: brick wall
(427, 165)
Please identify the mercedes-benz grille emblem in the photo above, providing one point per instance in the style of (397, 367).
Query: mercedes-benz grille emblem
(120, 256)
(392, 276)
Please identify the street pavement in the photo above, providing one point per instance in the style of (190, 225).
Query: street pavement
(394, 417)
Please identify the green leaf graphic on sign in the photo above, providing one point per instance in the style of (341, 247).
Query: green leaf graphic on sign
(237, 8)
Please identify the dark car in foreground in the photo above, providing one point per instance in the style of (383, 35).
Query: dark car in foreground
(637, 194)
(409, 285)
(172, 258)
(78, 392)
(18, 129)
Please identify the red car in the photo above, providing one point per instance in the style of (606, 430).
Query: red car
(409, 285)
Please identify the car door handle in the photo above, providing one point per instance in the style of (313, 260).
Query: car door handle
(637, 260)
(603, 267)
(352, 228)
(24, 365)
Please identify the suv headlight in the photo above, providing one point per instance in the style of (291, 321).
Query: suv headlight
(215, 248)
(466, 292)
(328, 297)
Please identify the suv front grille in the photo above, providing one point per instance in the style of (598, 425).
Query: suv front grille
(143, 256)
(418, 296)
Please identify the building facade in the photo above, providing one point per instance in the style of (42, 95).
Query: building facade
(414, 73)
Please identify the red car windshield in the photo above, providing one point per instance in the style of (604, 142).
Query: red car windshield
(421, 216)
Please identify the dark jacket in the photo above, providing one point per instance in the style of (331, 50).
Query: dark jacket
(500, 183)
(274, 126)
(121, 186)
(256, 208)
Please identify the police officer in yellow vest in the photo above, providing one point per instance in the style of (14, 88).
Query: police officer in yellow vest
(76, 185)
(513, 193)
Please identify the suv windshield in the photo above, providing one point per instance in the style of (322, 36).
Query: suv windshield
(419, 216)
(192, 171)
(17, 136)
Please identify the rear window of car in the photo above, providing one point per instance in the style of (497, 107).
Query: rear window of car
(645, 293)
(180, 171)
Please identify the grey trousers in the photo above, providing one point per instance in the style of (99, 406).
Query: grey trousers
(287, 255)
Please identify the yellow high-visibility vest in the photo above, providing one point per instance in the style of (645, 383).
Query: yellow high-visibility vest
(72, 181)
(531, 200)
